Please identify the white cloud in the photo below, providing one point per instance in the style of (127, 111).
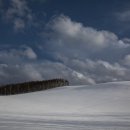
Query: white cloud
(29, 53)
(82, 78)
(67, 38)
(66, 30)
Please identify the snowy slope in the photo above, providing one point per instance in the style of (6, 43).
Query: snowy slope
(102, 102)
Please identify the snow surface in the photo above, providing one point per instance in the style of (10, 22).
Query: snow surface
(90, 107)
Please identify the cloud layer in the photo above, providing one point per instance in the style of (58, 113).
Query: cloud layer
(83, 55)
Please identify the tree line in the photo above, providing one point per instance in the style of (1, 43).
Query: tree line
(32, 86)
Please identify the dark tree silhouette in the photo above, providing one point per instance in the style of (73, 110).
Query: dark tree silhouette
(32, 86)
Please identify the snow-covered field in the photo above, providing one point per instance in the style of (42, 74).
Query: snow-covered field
(88, 107)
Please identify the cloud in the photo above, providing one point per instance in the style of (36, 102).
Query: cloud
(123, 16)
(82, 78)
(67, 38)
(63, 27)
(39, 71)
(19, 24)
(29, 53)
(18, 73)
(77, 72)
(70, 50)
(100, 71)
(126, 40)
(126, 60)
(75, 33)
(16, 66)
(19, 14)
(16, 56)
(91, 53)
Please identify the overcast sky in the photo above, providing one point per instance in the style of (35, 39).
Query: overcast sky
(84, 41)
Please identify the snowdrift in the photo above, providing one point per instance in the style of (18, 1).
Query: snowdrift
(89, 107)
(88, 99)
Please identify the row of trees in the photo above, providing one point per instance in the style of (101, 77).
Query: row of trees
(32, 86)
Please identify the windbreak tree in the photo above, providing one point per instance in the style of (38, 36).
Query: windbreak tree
(32, 86)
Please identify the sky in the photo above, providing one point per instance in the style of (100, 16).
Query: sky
(83, 41)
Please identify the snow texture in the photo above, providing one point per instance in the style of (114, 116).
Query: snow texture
(90, 107)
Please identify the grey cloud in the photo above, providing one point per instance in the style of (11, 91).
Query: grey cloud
(71, 39)
(19, 14)
(19, 24)
(76, 71)
(123, 16)
(87, 51)
(16, 66)
(126, 40)
(83, 55)
(51, 70)
(126, 60)
(13, 56)
(100, 71)
(18, 73)
(40, 71)
(64, 28)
